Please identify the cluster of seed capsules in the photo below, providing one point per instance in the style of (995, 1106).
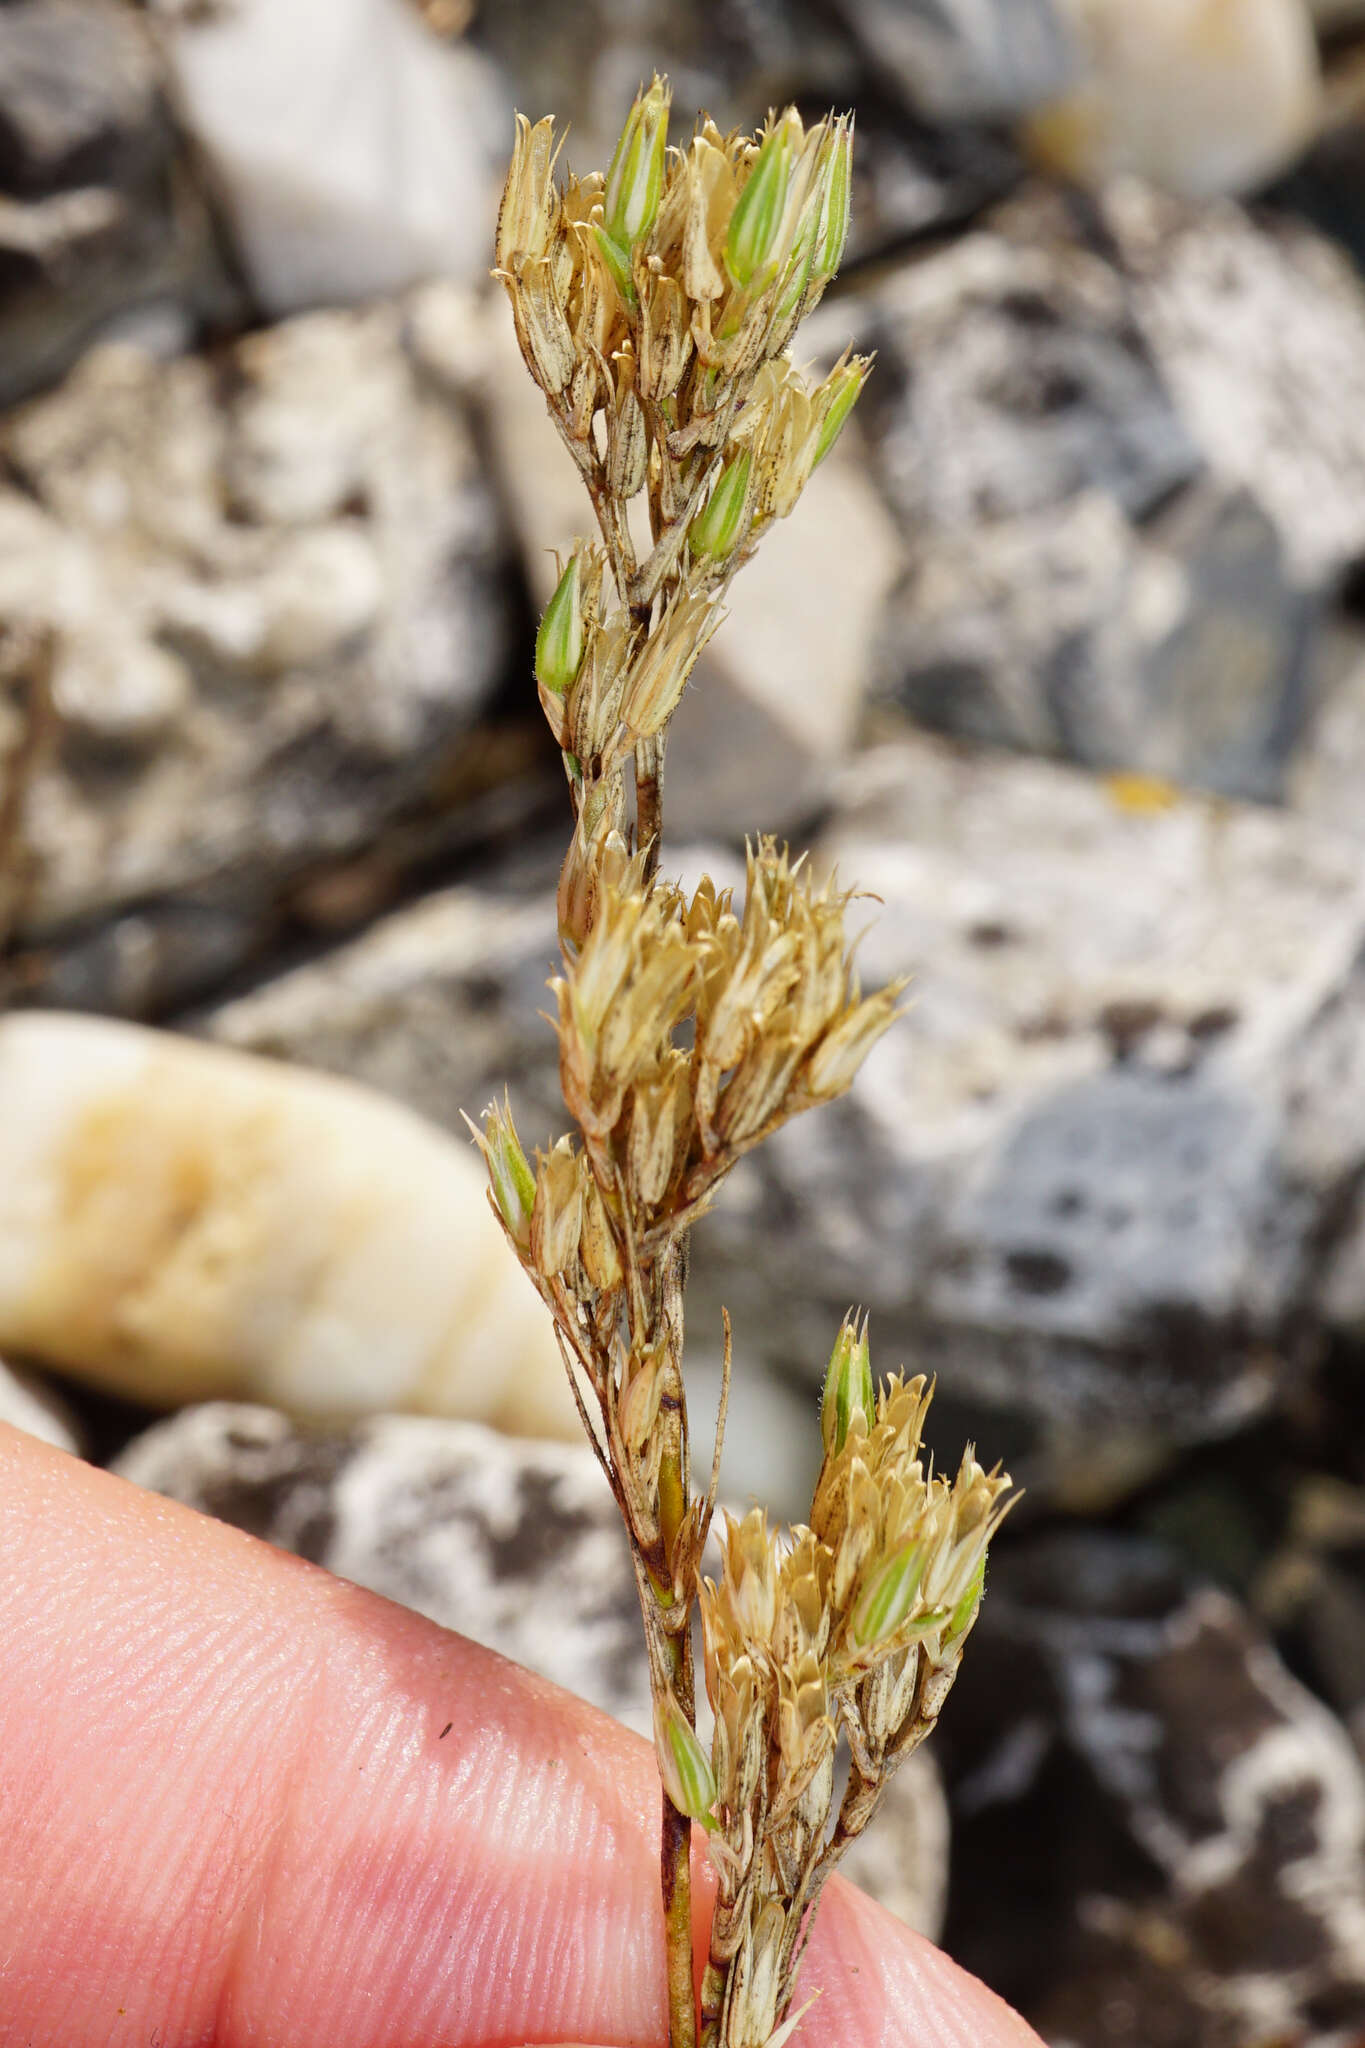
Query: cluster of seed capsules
(654, 308)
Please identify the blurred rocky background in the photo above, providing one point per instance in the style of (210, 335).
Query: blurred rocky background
(1063, 656)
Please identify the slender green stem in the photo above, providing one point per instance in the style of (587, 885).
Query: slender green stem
(675, 1874)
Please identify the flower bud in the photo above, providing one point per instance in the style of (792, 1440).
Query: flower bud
(719, 526)
(684, 1765)
(889, 1597)
(557, 1215)
(635, 181)
(559, 642)
(849, 1393)
(836, 169)
(599, 1250)
(509, 1171)
(638, 1408)
(617, 261)
(529, 201)
(836, 399)
(654, 687)
(752, 235)
(964, 1614)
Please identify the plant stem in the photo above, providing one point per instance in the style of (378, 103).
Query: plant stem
(649, 800)
(675, 1875)
(675, 1844)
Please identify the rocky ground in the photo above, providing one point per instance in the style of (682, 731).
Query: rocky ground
(1063, 657)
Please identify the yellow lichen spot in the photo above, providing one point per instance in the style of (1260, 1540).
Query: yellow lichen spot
(1141, 796)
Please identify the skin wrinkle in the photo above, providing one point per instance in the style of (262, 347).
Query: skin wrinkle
(298, 1897)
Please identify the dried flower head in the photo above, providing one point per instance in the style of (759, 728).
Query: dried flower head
(654, 307)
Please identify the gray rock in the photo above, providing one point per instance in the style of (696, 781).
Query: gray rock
(517, 1545)
(583, 60)
(1312, 1593)
(1094, 1176)
(967, 59)
(26, 1403)
(1117, 458)
(274, 588)
(1159, 1834)
(1178, 648)
(914, 180)
(1258, 329)
(331, 210)
(101, 220)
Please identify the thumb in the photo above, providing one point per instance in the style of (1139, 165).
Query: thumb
(244, 1802)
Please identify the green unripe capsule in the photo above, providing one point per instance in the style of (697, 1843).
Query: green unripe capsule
(840, 394)
(617, 261)
(509, 1172)
(718, 527)
(559, 643)
(849, 1391)
(635, 181)
(684, 1765)
(889, 1598)
(750, 239)
(837, 168)
(964, 1614)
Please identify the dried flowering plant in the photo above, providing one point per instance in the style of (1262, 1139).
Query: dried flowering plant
(654, 307)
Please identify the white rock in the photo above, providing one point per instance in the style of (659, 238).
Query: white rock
(357, 154)
(966, 60)
(1202, 96)
(1257, 327)
(178, 1220)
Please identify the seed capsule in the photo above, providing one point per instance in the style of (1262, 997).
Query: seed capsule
(849, 1393)
(719, 526)
(836, 399)
(836, 180)
(964, 1614)
(509, 1171)
(889, 1598)
(752, 234)
(635, 181)
(559, 643)
(683, 1764)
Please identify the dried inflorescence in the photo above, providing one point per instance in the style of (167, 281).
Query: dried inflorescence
(654, 307)
(854, 1626)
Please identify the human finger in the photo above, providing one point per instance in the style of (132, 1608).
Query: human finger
(245, 1802)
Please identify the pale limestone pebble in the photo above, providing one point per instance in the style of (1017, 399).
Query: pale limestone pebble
(775, 703)
(25, 1403)
(178, 1220)
(1202, 96)
(339, 207)
(517, 1545)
